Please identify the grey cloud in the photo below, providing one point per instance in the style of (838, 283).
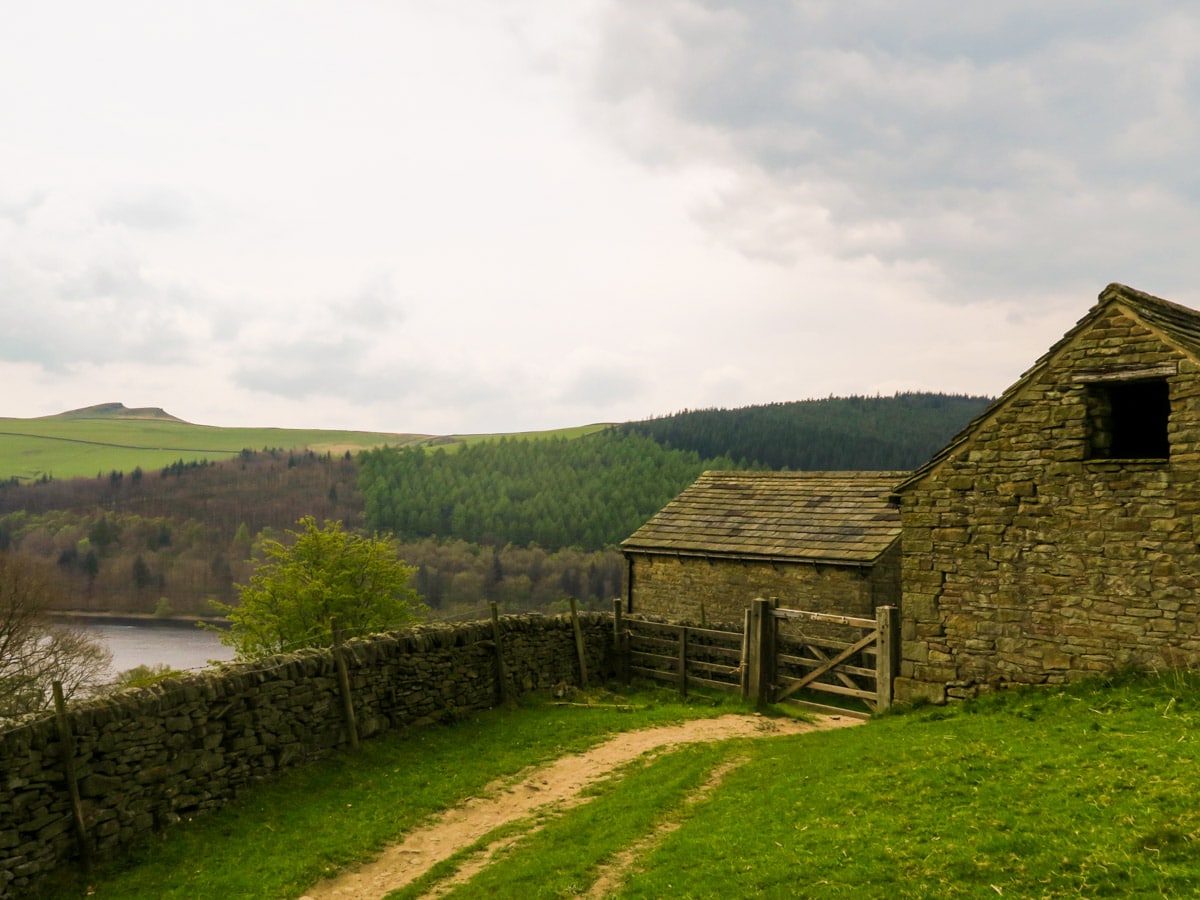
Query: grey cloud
(377, 304)
(341, 368)
(338, 362)
(60, 316)
(17, 210)
(597, 387)
(306, 368)
(151, 209)
(1006, 145)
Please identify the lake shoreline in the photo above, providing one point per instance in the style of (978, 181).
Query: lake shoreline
(180, 643)
(141, 619)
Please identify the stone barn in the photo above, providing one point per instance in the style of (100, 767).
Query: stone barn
(820, 541)
(1056, 535)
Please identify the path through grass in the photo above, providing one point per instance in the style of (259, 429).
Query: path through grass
(283, 836)
(1088, 791)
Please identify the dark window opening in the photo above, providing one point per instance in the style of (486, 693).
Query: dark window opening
(1129, 420)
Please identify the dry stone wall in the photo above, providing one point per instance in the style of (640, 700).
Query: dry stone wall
(148, 757)
(1027, 562)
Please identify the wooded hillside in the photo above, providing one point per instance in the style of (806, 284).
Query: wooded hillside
(879, 433)
(527, 522)
(590, 492)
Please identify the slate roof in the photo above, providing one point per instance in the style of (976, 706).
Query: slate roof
(828, 517)
(1178, 324)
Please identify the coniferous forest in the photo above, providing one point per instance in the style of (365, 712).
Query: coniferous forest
(859, 433)
(588, 492)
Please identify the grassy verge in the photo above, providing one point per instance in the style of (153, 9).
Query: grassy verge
(1088, 790)
(282, 836)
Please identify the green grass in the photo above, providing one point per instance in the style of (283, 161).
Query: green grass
(1089, 790)
(285, 835)
(451, 442)
(71, 446)
(562, 858)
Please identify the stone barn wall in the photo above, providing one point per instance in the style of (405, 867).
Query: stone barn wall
(147, 757)
(1031, 558)
(718, 591)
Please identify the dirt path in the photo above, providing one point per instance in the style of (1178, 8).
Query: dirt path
(558, 784)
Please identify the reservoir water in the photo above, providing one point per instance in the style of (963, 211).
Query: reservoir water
(178, 645)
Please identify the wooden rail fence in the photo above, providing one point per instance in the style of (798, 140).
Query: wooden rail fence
(780, 654)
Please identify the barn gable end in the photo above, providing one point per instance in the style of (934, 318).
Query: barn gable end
(1056, 536)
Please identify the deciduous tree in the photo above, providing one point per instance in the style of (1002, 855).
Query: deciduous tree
(321, 574)
(34, 651)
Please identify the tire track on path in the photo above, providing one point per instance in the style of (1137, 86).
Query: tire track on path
(558, 783)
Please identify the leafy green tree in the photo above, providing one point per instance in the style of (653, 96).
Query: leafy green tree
(140, 676)
(323, 574)
(91, 568)
(104, 533)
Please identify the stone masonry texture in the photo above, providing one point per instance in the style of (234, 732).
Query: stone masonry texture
(148, 757)
(719, 591)
(1029, 561)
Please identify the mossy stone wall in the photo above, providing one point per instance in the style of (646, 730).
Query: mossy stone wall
(148, 757)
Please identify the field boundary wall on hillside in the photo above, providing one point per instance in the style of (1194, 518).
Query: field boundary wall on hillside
(146, 758)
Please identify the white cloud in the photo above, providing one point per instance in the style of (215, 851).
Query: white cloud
(474, 216)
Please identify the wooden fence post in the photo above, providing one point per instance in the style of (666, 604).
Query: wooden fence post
(620, 641)
(771, 648)
(501, 669)
(887, 654)
(580, 648)
(744, 664)
(343, 675)
(682, 661)
(66, 741)
(762, 652)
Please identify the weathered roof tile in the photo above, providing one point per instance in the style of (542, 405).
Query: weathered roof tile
(832, 517)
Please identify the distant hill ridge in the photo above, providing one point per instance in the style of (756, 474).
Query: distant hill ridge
(117, 411)
(879, 433)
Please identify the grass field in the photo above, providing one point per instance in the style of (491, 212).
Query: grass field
(451, 441)
(1088, 790)
(79, 445)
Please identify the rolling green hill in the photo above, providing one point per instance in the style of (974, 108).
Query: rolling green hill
(111, 437)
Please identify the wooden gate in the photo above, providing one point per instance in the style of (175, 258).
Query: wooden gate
(848, 657)
(780, 654)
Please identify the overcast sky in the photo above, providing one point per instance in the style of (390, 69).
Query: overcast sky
(481, 216)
